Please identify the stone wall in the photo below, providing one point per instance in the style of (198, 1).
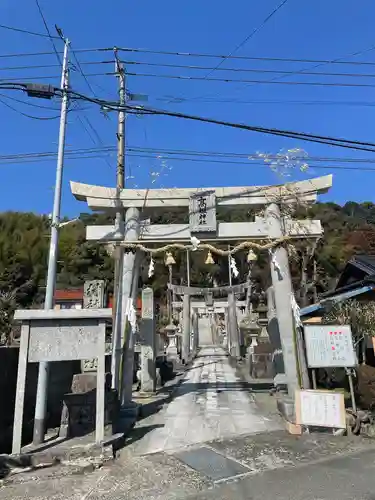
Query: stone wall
(61, 375)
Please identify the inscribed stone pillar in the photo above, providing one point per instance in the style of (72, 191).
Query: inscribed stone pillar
(186, 329)
(148, 347)
(233, 326)
(129, 289)
(93, 298)
(282, 286)
(195, 332)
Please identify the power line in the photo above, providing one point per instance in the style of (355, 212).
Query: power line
(247, 38)
(246, 70)
(28, 103)
(249, 156)
(197, 55)
(185, 152)
(47, 77)
(35, 54)
(19, 30)
(141, 110)
(27, 115)
(303, 71)
(180, 66)
(338, 142)
(48, 31)
(53, 154)
(96, 133)
(196, 160)
(250, 163)
(230, 80)
(211, 100)
(245, 58)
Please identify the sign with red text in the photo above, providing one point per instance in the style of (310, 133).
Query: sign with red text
(329, 346)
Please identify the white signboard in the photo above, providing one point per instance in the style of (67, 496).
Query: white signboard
(329, 346)
(320, 408)
(147, 303)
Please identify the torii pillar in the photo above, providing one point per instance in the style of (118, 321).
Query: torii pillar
(282, 287)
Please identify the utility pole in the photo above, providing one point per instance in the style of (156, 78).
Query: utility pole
(42, 390)
(119, 251)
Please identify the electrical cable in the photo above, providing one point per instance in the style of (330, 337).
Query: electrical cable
(195, 160)
(248, 37)
(181, 99)
(48, 77)
(12, 28)
(96, 133)
(246, 58)
(230, 80)
(338, 142)
(48, 32)
(249, 156)
(251, 163)
(248, 70)
(28, 103)
(27, 115)
(303, 71)
(346, 143)
(188, 152)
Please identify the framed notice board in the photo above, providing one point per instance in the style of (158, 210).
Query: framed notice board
(320, 408)
(329, 346)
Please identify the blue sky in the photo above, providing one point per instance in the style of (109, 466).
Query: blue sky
(316, 29)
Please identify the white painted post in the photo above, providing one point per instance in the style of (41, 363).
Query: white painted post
(20, 389)
(100, 385)
(282, 286)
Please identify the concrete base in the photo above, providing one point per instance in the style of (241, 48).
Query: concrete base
(286, 409)
(127, 418)
(56, 449)
(39, 430)
(146, 395)
(280, 382)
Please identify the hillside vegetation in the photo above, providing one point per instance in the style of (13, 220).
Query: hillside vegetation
(24, 240)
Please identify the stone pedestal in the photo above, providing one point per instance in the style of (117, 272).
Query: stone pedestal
(171, 350)
(78, 416)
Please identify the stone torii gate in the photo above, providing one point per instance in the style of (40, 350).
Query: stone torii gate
(201, 204)
(231, 291)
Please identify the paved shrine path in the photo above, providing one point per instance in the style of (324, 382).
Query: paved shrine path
(210, 403)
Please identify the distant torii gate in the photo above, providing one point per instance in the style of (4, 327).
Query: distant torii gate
(189, 291)
(202, 204)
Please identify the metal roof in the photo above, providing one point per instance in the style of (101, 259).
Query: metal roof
(340, 297)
